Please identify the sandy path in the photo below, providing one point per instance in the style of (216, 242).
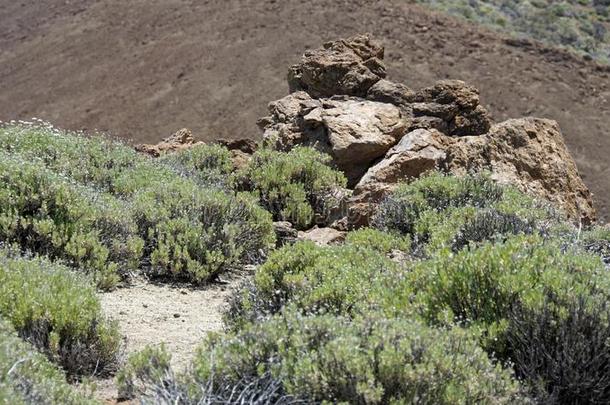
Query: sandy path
(178, 315)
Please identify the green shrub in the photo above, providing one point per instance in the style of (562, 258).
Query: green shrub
(148, 367)
(99, 205)
(50, 215)
(439, 211)
(597, 241)
(479, 287)
(28, 378)
(293, 185)
(315, 280)
(561, 350)
(209, 165)
(381, 242)
(371, 360)
(58, 312)
(195, 234)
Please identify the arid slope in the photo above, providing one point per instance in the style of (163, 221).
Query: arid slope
(143, 68)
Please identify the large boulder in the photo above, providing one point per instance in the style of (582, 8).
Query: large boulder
(528, 153)
(354, 131)
(347, 66)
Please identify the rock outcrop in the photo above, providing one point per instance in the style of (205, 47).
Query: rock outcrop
(379, 132)
(181, 139)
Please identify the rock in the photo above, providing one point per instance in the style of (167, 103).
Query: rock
(285, 234)
(528, 153)
(245, 145)
(347, 66)
(355, 132)
(457, 104)
(285, 127)
(323, 236)
(182, 139)
(239, 159)
(386, 91)
(531, 154)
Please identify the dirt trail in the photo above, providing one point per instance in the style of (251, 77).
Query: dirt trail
(144, 68)
(178, 315)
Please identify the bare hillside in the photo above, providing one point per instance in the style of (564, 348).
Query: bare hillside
(143, 68)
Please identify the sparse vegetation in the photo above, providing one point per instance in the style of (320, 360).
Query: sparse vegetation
(578, 25)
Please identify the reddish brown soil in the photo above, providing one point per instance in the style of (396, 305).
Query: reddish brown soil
(141, 69)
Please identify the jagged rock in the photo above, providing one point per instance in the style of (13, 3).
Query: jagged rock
(285, 234)
(528, 153)
(386, 91)
(323, 236)
(245, 145)
(347, 66)
(182, 139)
(531, 154)
(355, 132)
(457, 104)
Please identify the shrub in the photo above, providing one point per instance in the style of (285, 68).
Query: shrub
(371, 360)
(99, 205)
(209, 165)
(382, 242)
(315, 280)
(597, 241)
(27, 377)
(148, 367)
(439, 211)
(47, 214)
(490, 225)
(561, 350)
(59, 313)
(290, 184)
(479, 287)
(195, 234)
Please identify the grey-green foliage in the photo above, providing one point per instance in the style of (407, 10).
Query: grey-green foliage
(439, 211)
(578, 25)
(28, 378)
(57, 311)
(100, 206)
(293, 186)
(369, 360)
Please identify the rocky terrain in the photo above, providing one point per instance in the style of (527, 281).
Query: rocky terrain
(143, 69)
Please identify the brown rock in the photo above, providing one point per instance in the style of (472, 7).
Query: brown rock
(386, 91)
(284, 232)
(347, 66)
(323, 236)
(182, 139)
(245, 145)
(528, 153)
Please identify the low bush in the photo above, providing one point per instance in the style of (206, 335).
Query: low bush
(100, 206)
(59, 313)
(479, 287)
(382, 242)
(50, 215)
(561, 350)
(195, 234)
(148, 376)
(28, 378)
(293, 185)
(370, 360)
(316, 280)
(440, 211)
(209, 165)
